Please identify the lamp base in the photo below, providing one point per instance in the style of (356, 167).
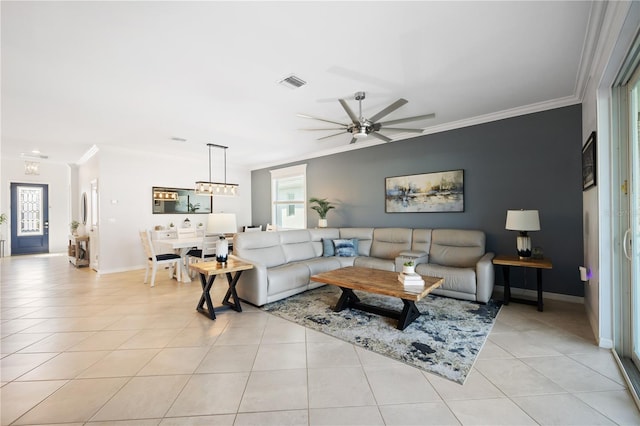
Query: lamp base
(222, 250)
(523, 244)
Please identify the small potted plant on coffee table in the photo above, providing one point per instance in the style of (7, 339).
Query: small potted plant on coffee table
(409, 267)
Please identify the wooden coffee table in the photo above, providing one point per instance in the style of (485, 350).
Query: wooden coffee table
(379, 282)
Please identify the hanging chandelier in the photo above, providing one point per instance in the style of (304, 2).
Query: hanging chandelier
(217, 188)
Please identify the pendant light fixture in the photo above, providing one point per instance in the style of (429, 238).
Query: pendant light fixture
(217, 188)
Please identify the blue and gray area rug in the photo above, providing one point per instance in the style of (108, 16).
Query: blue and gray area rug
(445, 340)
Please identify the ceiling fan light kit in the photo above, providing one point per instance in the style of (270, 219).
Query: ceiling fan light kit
(361, 133)
(361, 127)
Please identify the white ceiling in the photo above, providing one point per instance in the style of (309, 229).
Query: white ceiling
(136, 74)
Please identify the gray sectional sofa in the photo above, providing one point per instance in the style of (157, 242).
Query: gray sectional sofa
(284, 261)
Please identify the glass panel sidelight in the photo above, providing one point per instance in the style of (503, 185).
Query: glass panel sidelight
(30, 211)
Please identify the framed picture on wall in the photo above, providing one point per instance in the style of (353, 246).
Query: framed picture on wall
(425, 193)
(589, 162)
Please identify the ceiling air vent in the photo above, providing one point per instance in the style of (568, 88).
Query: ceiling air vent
(292, 82)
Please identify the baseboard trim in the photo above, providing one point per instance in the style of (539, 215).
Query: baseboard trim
(533, 295)
(117, 270)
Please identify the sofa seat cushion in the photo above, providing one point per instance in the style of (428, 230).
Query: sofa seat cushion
(346, 261)
(456, 279)
(375, 263)
(287, 277)
(322, 264)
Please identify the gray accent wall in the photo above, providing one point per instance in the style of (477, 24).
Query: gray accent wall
(527, 162)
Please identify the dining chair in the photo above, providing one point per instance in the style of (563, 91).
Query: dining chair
(153, 259)
(207, 252)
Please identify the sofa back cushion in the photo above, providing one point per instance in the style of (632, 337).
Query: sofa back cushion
(421, 240)
(389, 242)
(296, 245)
(261, 247)
(364, 236)
(456, 247)
(320, 234)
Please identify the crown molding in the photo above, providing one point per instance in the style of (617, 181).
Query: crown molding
(501, 115)
(87, 155)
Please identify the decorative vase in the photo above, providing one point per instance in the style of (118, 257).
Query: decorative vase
(322, 223)
(222, 250)
(409, 269)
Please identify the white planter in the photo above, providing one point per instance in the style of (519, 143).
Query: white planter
(322, 223)
(409, 269)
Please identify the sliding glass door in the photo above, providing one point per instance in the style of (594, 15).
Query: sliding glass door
(631, 238)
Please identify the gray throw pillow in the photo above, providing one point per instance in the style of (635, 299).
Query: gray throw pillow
(327, 248)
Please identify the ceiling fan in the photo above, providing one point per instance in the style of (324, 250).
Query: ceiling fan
(361, 127)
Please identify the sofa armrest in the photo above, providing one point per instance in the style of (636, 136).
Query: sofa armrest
(485, 278)
(416, 256)
(253, 285)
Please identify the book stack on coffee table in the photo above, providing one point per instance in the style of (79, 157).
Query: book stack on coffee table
(411, 281)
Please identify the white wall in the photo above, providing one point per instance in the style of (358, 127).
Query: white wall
(125, 179)
(57, 176)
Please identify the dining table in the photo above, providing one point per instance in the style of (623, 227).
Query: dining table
(182, 246)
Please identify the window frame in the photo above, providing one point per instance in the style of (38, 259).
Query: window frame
(286, 173)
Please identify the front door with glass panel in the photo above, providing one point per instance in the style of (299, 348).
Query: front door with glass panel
(29, 218)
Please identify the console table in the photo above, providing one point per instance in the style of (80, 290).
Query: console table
(539, 264)
(79, 250)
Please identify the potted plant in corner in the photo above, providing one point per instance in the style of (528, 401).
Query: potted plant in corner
(322, 207)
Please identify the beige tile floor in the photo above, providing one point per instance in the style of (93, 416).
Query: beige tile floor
(81, 349)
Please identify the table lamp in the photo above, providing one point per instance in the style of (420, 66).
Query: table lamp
(523, 221)
(221, 224)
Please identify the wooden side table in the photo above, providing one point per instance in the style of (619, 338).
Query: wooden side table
(78, 250)
(208, 272)
(539, 264)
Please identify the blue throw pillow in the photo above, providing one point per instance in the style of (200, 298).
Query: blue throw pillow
(346, 248)
(327, 248)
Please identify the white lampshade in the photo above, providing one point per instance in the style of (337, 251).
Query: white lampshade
(222, 223)
(523, 220)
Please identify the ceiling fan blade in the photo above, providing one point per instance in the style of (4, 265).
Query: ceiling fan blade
(353, 140)
(321, 119)
(388, 110)
(406, 120)
(328, 128)
(379, 136)
(404, 130)
(330, 136)
(351, 114)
